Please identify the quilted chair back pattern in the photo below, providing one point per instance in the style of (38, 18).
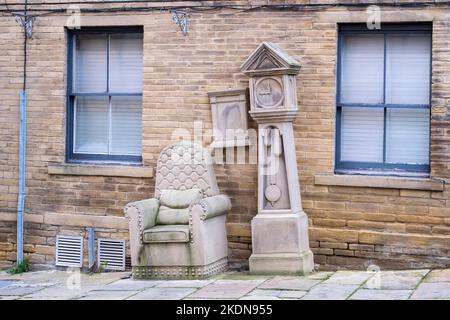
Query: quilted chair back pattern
(185, 165)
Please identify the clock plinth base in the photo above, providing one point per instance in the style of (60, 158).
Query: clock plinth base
(280, 244)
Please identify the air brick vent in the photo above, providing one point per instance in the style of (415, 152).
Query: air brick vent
(111, 254)
(69, 251)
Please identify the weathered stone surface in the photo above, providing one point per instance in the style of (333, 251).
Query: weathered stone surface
(330, 292)
(81, 220)
(349, 277)
(259, 298)
(438, 276)
(294, 294)
(19, 291)
(263, 292)
(226, 289)
(289, 283)
(432, 291)
(379, 182)
(184, 283)
(395, 280)
(9, 297)
(366, 294)
(131, 285)
(162, 294)
(91, 170)
(107, 295)
(58, 292)
(333, 235)
(319, 275)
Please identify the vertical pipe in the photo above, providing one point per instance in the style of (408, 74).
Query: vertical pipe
(22, 147)
(22, 168)
(91, 247)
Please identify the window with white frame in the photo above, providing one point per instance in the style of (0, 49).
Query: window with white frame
(105, 95)
(383, 98)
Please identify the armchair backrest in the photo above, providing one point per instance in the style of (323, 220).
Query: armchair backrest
(185, 165)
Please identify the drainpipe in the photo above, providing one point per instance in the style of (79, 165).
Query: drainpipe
(22, 149)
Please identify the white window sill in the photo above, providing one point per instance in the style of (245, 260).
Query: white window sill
(99, 170)
(376, 181)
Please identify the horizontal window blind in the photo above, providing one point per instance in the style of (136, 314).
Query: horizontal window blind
(90, 64)
(407, 136)
(126, 114)
(408, 69)
(362, 134)
(362, 60)
(125, 63)
(383, 100)
(107, 94)
(91, 124)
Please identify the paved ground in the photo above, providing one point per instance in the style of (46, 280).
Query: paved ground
(389, 285)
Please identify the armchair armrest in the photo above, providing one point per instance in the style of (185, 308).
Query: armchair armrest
(213, 206)
(141, 215)
(144, 212)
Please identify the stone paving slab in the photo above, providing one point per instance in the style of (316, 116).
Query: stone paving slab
(6, 283)
(227, 289)
(373, 294)
(132, 285)
(330, 291)
(19, 291)
(9, 297)
(162, 294)
(289, 283)
(438, 276)
(395, 280)
(259, 298)
(263, 292)
(319, 275)
(184, 283)
(386, 285)
(108, 295)
(349, 277)
(292, 294)
(440, 290)
(59, 292)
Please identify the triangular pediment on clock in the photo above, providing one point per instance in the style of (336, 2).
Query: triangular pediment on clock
(269, 57)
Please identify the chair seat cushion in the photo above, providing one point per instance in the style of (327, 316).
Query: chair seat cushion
(168, 233)
(168, 215)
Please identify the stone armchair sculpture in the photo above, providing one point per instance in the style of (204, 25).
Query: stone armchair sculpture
(181, 232)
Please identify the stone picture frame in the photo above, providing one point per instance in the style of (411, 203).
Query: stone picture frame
(229, 114)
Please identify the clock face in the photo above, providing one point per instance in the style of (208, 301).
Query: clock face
(268, 93)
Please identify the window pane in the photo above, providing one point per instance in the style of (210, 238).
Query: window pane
(91, 125)
(126, 125)
(408, 69)
(407, 136)
(362, 134)
(362, 65)
(125, 63)
(90, 64)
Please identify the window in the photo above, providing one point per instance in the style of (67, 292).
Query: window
(105, 95)
(383, 98)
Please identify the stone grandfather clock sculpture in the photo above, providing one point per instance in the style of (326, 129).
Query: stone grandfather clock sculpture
(280, 229)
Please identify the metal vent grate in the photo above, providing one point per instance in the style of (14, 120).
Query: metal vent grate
(69, 251)
(111, 254)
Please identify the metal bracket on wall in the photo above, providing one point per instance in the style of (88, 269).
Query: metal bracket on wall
(25, 22)
(181, 18)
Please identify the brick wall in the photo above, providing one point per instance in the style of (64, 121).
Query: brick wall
(349, 226)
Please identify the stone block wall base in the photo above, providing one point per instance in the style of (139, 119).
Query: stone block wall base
(180, 272)
(281, 263)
